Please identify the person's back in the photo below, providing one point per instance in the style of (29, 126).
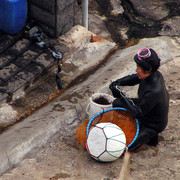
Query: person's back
(155, 105)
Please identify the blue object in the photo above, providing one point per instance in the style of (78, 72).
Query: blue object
(116, 108)
(13, 14)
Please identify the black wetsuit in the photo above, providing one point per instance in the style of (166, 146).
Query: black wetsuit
(151, 106)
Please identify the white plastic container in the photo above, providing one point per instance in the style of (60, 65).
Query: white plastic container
(95, 107)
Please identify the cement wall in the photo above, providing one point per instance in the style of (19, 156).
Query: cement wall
(54, 16)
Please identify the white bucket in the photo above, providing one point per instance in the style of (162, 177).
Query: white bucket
(95, 107)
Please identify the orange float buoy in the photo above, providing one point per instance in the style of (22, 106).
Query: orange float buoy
(118, 116)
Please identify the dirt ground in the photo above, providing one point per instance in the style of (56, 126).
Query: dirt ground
(64, 158)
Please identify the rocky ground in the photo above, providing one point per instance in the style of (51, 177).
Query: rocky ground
(62, 157)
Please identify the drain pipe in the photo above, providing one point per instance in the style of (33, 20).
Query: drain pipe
(85, 13)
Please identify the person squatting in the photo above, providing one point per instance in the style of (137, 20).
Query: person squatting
(152, 105)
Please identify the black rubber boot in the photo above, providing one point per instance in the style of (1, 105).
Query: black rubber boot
(153, 141)
(146, 135)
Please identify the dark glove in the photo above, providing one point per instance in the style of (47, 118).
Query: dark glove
(116, 92)
(114, 84)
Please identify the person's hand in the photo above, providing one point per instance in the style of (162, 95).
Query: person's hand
(113, 85)
(115, 91)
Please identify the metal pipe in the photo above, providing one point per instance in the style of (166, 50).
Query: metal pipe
(85, 14)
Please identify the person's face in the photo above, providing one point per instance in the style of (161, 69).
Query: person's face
(141, 73)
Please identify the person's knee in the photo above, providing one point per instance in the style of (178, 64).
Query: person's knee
(114, 103)
(117, 103)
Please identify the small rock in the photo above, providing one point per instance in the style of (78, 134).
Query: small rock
(117, 8)
(7, 115)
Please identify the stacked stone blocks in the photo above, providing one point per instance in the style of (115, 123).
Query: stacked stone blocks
(55, 16)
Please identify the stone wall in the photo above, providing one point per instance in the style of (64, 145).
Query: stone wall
(54, 16)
